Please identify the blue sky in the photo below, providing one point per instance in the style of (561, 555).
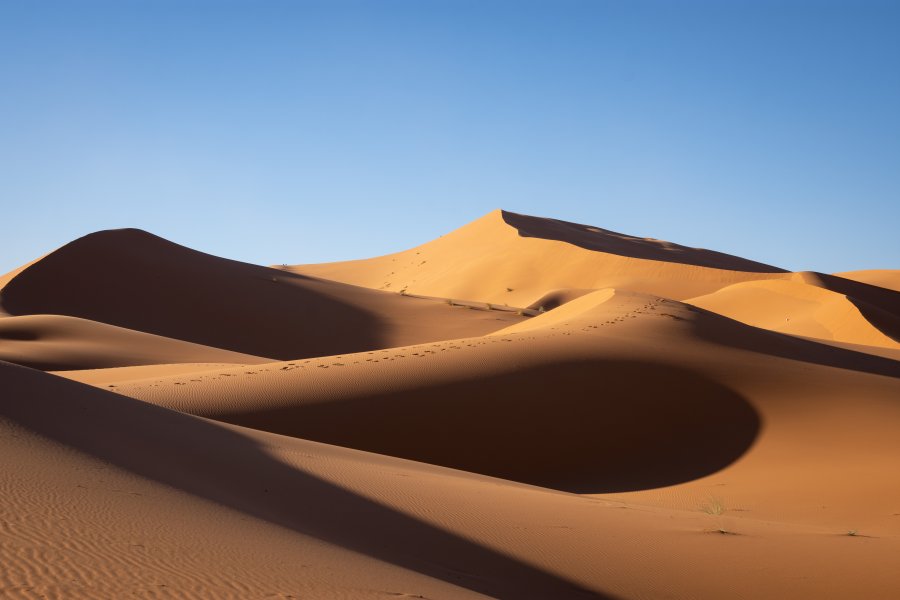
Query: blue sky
(275, 131)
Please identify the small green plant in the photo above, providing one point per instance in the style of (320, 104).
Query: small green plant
(403, 292)
(853, 533)
(520, 313)
(541, 308)
(489, 306)
(509, 289)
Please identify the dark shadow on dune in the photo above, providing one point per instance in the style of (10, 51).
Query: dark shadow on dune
(728, 332)
(603, 240)
(218, 464)
(886, 322)
(137, 280)
(17, 333)
(880, 306)
(883, 298)
(587, 427)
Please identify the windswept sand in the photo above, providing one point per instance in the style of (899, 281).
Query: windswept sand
(55, 342)
(885, 278)
(136, 280)
(801, 309)
(620, 444)
(515, 259)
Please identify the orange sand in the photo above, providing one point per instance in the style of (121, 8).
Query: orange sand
(665, 422)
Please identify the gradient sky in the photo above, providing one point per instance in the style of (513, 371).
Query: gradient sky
(293, 132)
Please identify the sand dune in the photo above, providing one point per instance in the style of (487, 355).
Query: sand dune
(54, 342)
(879, 305)
(154, 502)
(136, 280)
(495, 405)
(888, 279)
(617, 443)
(109, 375)
(505, 257)
(371, 525)
(802, 309)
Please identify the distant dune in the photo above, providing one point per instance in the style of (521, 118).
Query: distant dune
(515, 259)
(882, 278)
(136, 280)
(54, 342)
(801, 309)
(522, 408)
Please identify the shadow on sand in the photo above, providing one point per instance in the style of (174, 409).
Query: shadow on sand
(578, 426)
(216, 463)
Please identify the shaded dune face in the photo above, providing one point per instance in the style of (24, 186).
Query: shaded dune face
(580, 426)
(233, 469)
(132, 279)
(136, 280)
(603, 240)
(17, 332)
(59, 343)
(508, 258)
(880, 306)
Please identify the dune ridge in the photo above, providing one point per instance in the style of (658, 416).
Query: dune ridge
(802, 309)
(55, 342)
(885, 278)
(133, 279)
(527, 408)
(504, 257)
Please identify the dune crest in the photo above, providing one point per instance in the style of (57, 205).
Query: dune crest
(136, 280)
(523, 408)
(886, 278)
(515, 259)
(54, 342)
(799, 308)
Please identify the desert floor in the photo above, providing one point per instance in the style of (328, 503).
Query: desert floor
(522, 408)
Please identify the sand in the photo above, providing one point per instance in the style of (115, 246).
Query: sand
(139, 281)
(883, 278)
(735, 443)
(56, 342)
(802, 309)
(508, 258)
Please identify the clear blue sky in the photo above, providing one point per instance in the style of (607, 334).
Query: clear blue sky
(291, 131)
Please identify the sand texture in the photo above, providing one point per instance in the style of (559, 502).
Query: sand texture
(547, 410)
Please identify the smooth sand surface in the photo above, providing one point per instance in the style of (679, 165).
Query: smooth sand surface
(886, 278)
(55, 342)
(588, 404)
(800, 309)
(139, 281)
(620, 444)
(515, 259)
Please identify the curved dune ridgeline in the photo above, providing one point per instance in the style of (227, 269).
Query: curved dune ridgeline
(55, 342)
(523, 408)
(135, 280)
(505, 257)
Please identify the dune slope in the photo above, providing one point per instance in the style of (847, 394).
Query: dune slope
(148, 498)
(215, 429)
(105, 497)
(624, 393)
(886, 278)
(515, 259)
(136, 280)
(799, 308)
(55, 342)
